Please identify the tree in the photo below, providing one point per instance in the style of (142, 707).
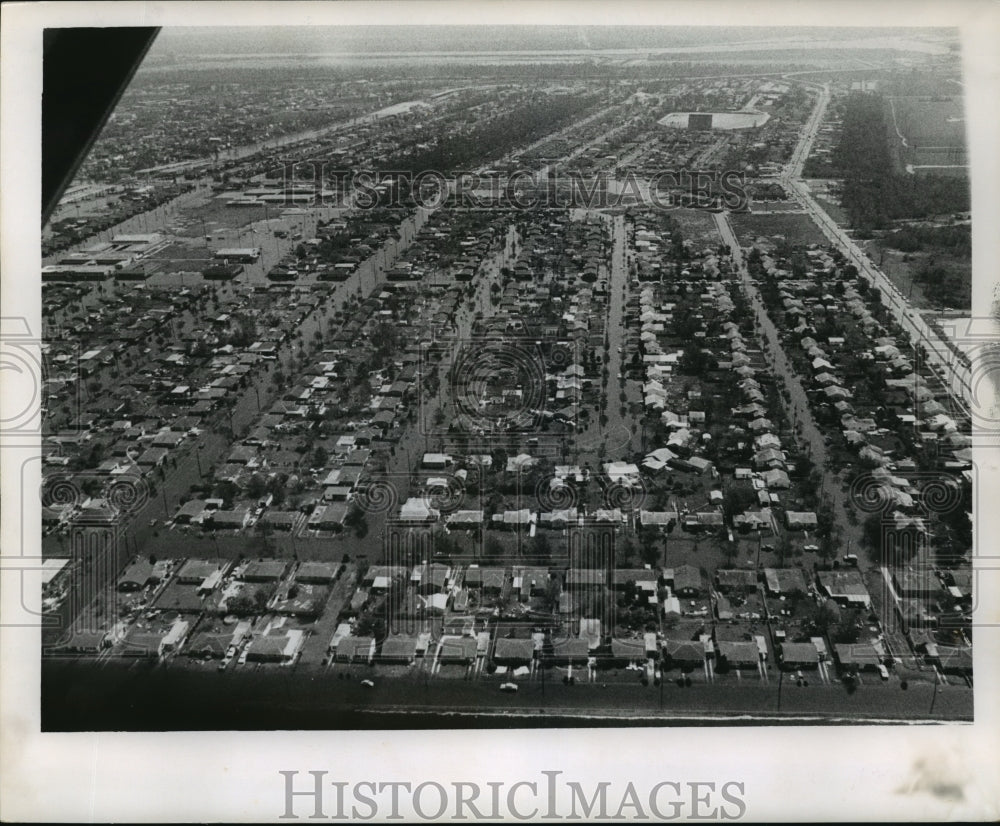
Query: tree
(357, 520)
(827, 548)
(846, 631)
(552, 591)
(731, 551)
(493, 548)
(694, 360)
(824, 616)
(320, 457)
(649, 551)
(255, 486)
(873, 532)
(369, 626)
(738, 498)
(540, 546)
(260, 597)
(783, 547)
(627, 553)
(91, 486)
(241, 606)
(824, 521)
(447, 546)
(804, 466)
(276, 487)
(227, 491)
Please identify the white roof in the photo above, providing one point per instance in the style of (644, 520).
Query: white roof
(236, 251)
(416, 509)
(521, 460)
(176, 632)
(436, 458)
(438, 601)
(662, 454)
(619, 470)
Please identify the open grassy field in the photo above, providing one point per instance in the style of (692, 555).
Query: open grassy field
(926, 122)
(931, 133)
(901, 267)
(795, 228)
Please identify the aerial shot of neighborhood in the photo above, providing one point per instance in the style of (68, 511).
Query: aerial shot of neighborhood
(472, 377)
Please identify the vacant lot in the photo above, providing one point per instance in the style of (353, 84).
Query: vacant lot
(901, 267)
(697, 225)
(794, 228)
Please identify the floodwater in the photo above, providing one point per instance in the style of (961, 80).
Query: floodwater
(122, 696)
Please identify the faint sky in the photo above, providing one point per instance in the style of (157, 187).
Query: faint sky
(203, 41)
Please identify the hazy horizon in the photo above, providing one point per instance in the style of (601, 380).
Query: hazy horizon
(392, 39)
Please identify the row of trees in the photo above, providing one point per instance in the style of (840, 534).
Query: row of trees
(495, 137)
(956, 239)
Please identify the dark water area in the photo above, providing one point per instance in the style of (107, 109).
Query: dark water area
(116, 695)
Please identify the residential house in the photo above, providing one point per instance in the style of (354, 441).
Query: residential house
(688, 581)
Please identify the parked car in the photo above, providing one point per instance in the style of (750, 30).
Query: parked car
(512, 687)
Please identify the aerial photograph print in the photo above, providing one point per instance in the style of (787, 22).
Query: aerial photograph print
(443, 376)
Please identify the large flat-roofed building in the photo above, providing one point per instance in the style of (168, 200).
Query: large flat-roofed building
(76, 272)
(703, 121)
(222, 272)
(244, 255)
(137, 240)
